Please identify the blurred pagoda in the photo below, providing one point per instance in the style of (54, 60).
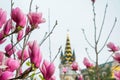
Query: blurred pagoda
(67, 58)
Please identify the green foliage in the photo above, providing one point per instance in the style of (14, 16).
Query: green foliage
(32, 76)
(28, 63)
(105, 73)
(41, 77)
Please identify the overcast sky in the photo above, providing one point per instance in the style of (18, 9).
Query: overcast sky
(73, 15)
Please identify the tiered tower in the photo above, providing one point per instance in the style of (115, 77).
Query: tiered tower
(67, 58)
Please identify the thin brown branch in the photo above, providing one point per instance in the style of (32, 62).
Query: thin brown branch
(87, 39)
(89, 55)
(12, 3)
(37, 8)
(50, 56)
(102, 23)
(57, 54)
(108, 36)
(30, 6)
(48, 34)
(94, 20)
(108, 59)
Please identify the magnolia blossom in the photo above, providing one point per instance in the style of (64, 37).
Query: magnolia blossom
(3, 17)
(7, 27)
(93, 1)
(64, 69)
(25, 54)
(74, 66)
(9, 49)
(35, 19)
(112, 47)
(47, 70)
(117, 75)
(20, 35)
(19, 17)
(116, 57)
(6, 75)
(27, 30)
(2, 40)
(87, 63)
(1, 57)
(80, 77)
(35, 53)
(12, 64)
(53, 78)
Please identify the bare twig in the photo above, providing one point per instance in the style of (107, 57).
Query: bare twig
(57, 54)
(30, 6)
(96, 44)
(37, 8)
(94, 20)
(89, 55)
(48, 34)
(87, 39)
(12, 3)
(108, 36)
(102, 23)
(108, 59)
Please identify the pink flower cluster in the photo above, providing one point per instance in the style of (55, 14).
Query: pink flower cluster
(20, 20)
(12, 59)
(116, 56)
(74, 66)
(115, 49)
(48, 69)
(87, 63)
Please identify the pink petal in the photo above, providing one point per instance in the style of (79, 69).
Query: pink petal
(3, 17)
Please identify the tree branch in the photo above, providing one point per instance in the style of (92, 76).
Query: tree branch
(108, 36)
(48, 34)
(102, 23)
(87, 39)
(89, 55)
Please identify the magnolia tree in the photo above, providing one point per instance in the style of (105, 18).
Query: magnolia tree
(15, 32)
(93, 70)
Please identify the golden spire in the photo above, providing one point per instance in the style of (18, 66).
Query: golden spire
(68, 52)
(67, 57)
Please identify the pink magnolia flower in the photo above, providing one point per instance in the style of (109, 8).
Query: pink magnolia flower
(117, 75)
(112, 47)
(3, 17)
(47, 70)
(12, 64)
(53, 78)
(35, 53)
(20, 35)
(7, 27)
(27, 30)
(25, 54)
(64, 69)
(2, 40)
(9, 49)
(80, 77)
(1, 57)
(19, 17)
(74, 66)
(87, 63)
(116, 57)
(6, 75)
(35, 19)
(93, 1)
